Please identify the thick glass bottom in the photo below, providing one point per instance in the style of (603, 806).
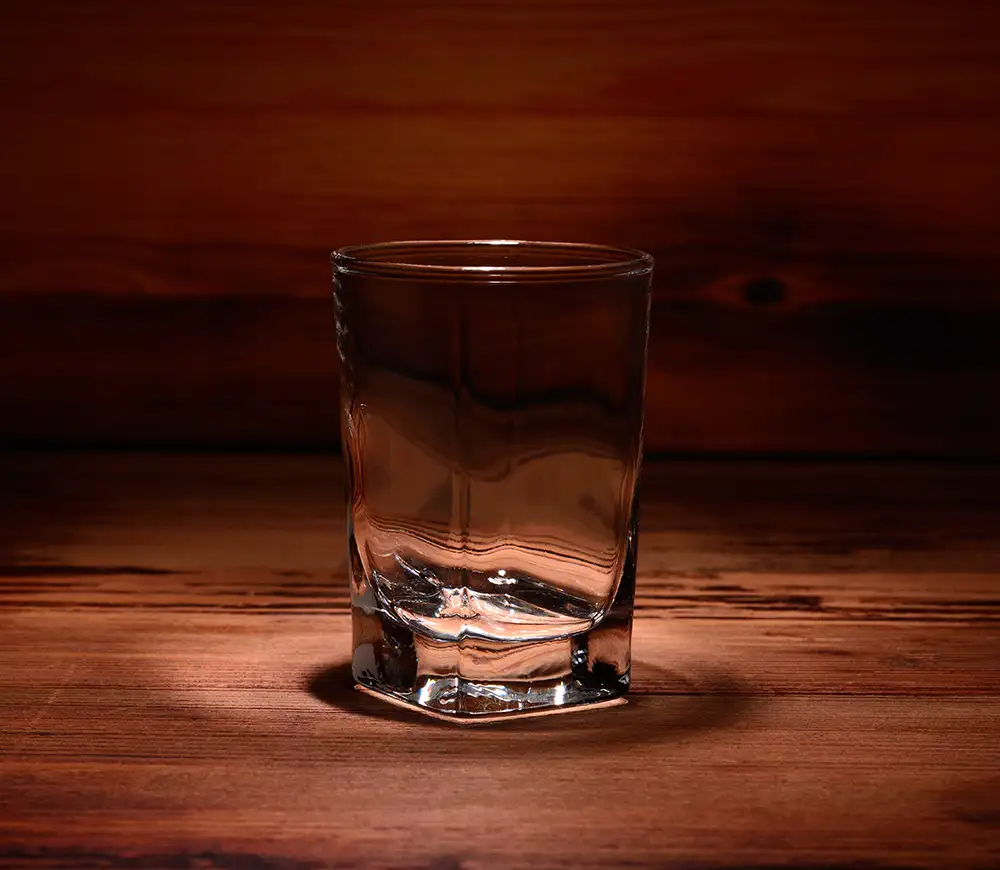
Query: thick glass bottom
(473, 678)
(478, 677)
(469, 672)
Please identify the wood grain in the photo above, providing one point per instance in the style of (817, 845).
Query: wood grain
(816, 682)
(818, 185)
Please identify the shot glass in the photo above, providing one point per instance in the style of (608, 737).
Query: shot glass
(491, 417)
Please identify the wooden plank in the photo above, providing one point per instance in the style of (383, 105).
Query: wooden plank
(729, 124)
(260, 371)
(699, 519)
(818, 186)
(816, 681)
(300, 785)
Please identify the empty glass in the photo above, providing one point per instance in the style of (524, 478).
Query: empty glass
(492, 405)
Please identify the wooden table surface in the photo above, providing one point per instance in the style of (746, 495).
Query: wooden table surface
(816, 681)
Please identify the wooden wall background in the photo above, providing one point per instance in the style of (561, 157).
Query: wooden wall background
(820, 182)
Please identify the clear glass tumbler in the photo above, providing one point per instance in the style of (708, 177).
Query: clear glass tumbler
(492, 406)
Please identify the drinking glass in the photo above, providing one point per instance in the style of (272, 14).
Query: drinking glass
(491, 417)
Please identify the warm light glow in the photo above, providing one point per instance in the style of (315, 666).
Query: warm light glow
(501, 578)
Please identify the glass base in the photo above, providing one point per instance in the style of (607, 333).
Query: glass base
(477, 678)
(486, 719)
(472, 677)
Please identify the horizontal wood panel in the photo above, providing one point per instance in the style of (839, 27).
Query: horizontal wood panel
(288, 783)
(302, 179)
(700, 518)
(816, 681)
(816, 183)
(641, 123)
(260, 370)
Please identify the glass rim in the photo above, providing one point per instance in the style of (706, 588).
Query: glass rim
(389, 260)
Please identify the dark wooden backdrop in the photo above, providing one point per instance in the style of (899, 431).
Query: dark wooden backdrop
(820, 182)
